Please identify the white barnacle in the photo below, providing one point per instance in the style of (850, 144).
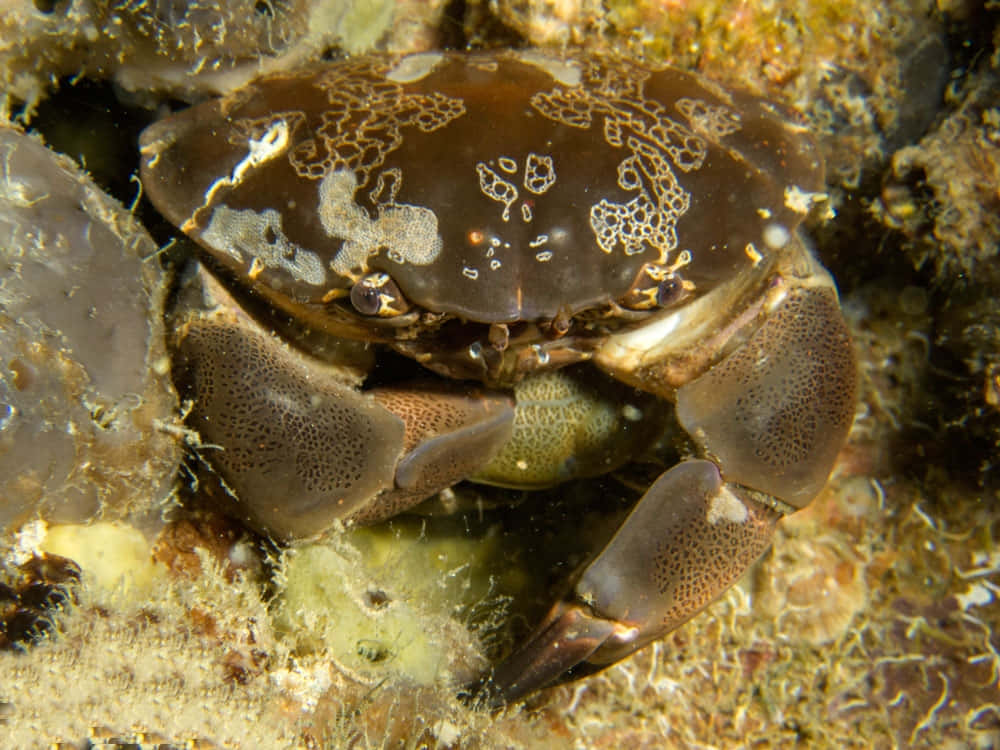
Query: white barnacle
(725, 507)
(776, 235)
(470, 273)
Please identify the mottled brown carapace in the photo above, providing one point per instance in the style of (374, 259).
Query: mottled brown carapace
(498, 187)
(537, 223)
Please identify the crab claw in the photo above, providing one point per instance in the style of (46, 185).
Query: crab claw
(558, 648)
(297, 448)
(689, 537)
(772, 414)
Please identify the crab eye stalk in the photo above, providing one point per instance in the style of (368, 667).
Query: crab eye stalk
(655, 286)
(376, 295)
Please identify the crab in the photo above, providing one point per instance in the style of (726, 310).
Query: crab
(511, 221)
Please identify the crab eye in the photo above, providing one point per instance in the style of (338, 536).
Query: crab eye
(654, 286)
(669, 291)
(376, 294)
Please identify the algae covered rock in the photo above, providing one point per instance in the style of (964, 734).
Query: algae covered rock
(389, 603)
(84, 391)
(188, 48)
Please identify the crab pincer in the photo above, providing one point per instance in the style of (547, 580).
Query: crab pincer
(772, 415)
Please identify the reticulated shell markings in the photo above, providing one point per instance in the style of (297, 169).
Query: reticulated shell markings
(495, 186)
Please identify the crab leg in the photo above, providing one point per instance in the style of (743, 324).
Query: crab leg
(771, 417)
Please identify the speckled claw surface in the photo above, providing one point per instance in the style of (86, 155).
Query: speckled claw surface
(686, 541)
(536, 223)
(298, 447)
